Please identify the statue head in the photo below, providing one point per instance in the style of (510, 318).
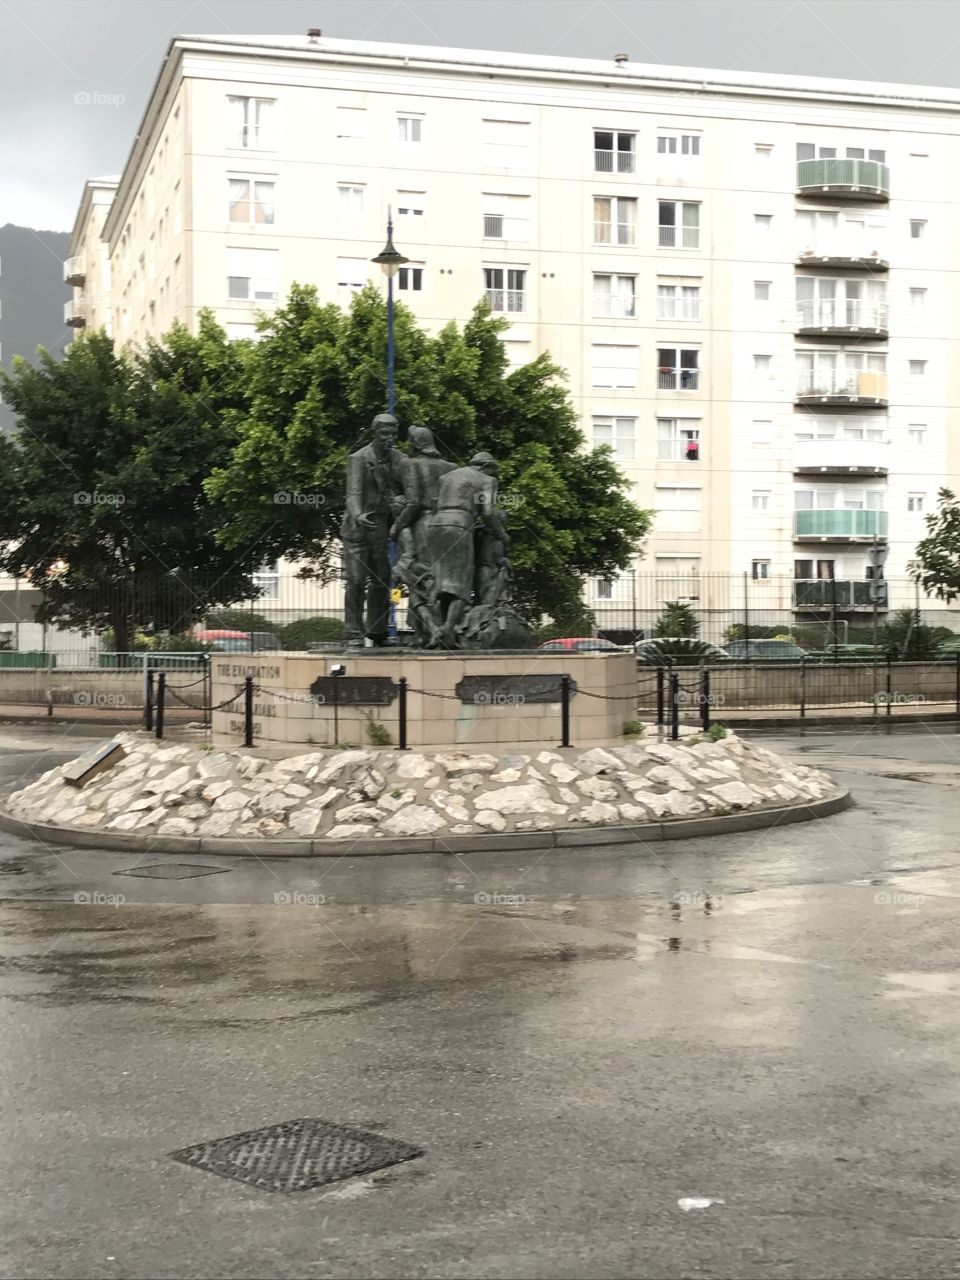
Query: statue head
(421, 442)
(484, 462)
(384, 432)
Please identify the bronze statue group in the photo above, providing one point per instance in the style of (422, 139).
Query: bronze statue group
(451, 544)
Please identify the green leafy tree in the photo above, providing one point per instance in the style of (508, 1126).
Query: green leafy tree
(102, 503)
(937, 563)
(677, 621)
(316, 379)
(307, 631)
(906, 636)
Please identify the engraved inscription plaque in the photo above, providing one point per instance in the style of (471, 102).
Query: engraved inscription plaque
(508, 691)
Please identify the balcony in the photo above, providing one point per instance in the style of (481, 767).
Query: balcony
(854, 458)
(73, 314)
(839, 526)
(679, 238)
(617, 307)
(853, 179)
(860, 389)
(678, 379)
(613, 161)
(74, 271)
(504, 300)
(823, 594)
(839, 255)
(839, 318)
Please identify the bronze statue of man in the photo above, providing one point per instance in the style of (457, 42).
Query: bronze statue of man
(422, 471)
(374, 479)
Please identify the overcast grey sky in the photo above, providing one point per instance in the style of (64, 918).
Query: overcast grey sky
(53, 50)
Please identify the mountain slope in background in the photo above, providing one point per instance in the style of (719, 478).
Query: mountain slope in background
(32, 294)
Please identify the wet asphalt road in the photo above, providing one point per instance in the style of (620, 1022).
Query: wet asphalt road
(579, 1040)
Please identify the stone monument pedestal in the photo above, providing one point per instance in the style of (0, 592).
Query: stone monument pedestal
(464, 700)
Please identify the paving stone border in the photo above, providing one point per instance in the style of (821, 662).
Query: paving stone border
(186, 797)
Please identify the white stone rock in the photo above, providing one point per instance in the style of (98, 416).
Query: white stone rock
(323, 800)
(152, 818)
(548, 757)
(176, 827)
(595, 813)
(177, 779)
(218, 824)
(563, 773)
(671, 778)
(271, 827)
(124, 822)
(597, 789)
(490, 820)
(167, 755)
(275, 802)
(785, 792)
(568, 797)
(532, 797)
(218, 765)
(598, 760)
(118, 801)
(232, 800)
(507, 775)
(657, 804)
(414, 820)
(296, 790)
(681, 803)
(300, 764)
(468, 782)
(343, 763)
(215, 789)
(359, 813)
(249, 766)
(414, 766)
(193, 811)
(456, 763)
(92, 818)
(70, 815)
(462, 829)
(349, 831)
(431, 783)
(391, 803)
(368, 785)
(304, 822)
(451, 804)
(533, 824)
(736, 794)
(632, 812)
(635, 757)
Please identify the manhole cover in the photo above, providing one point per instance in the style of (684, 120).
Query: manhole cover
(297, 1155)
(172, 871)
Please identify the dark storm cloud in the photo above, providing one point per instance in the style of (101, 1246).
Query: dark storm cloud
(74, 76)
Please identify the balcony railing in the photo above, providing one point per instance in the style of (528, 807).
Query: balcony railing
(842, 314)
(74, 271)
(841, 457)
(73, 314)
(507, 299)
(678, 379)
(823, 593)
(847, 253)
(605, 304)
(614, 233)
(864, 179)
(864, 387)
(864, 525)
(680, 237)
(613, 161)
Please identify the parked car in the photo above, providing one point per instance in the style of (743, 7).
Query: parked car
(584, 644)
(239, 641)
(769, 651)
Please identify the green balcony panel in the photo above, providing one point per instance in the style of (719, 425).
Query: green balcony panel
(865, 176)
(840, 524)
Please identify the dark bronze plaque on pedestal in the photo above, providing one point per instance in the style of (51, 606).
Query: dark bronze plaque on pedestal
(506, 691)
(354, 691)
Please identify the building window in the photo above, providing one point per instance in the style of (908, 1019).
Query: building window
(917, 432)
(915, 501)
(352, 275)
(618, 434)
(762, 151)
(682, 144)
(918, 299)
(267, 579)
(237, 331)
(614, 220)
(760, 570)
(410, 278)
(918, 228)
(614, 152)
(252, 274)
(410, 128)
(761, 432)
(506, 217)
(677, 508)
(761, 290)
(506, 288)
(517, 351)
(506, 144)
(679, 225)
(614, 365)
(678, 439)
(351, 122)
(351, 201)
(918, 368)
(678, 369)
(760, 500)
(678, 302)
(251, 201)
(604, 588)
(250, 123)
(614, 295)
(762, 223)
(762, 365)
(410, 204)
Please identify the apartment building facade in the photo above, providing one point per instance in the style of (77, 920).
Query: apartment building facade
(745, 276)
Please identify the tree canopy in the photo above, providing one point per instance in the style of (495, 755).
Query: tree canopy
(937, 563)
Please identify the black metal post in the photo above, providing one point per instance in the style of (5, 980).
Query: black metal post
(161, 696)
(704, 699)
(746, 614)
(248, 711)
(336, 709)
(402, 714)
(956, 684)
(661, 678)
(889, 686)
(803, 688)
(148, 702)
(207, 690)
(674, 706)
(565, 711)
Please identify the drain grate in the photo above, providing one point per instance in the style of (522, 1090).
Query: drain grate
(297, 1155)
(172, 871)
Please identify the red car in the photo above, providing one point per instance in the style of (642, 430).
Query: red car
(583, 644)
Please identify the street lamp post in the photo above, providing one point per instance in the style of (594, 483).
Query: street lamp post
(390, 262)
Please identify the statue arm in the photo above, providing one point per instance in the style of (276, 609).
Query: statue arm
(412, 505)
(354, 494)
